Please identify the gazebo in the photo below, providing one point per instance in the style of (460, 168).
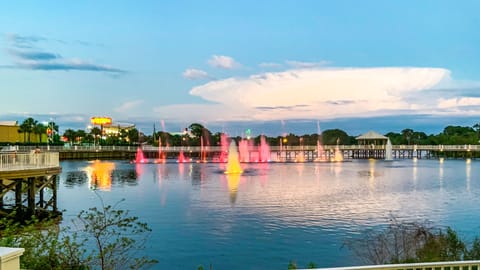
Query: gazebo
(372, 138)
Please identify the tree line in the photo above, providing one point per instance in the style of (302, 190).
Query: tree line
(197, 135)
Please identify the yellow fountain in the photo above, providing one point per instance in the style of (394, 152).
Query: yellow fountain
(233, 163)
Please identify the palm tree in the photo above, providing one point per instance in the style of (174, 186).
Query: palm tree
(27, 127)
(39, 129)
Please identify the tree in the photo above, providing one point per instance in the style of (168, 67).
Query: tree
(133, 135)
(70, 135)
(117, 235)
(407, 134)
(27, 127)
(334, 136)
(39, 129)
(112, 231)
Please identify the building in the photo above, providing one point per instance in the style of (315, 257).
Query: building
(9, 133)
(114, 129)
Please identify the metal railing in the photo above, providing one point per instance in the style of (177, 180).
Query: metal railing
(458, 265)
(56, 148)
(25, 161)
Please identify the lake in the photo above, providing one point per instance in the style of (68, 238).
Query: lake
(273, 213)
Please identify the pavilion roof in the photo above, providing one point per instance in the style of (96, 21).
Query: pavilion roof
(371, 135)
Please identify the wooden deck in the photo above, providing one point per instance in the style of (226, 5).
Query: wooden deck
(28, 184)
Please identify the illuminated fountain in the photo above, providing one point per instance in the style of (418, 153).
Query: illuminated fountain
(139, 157)
(320, 152)
(233, 163)
(203, 152)
(161, 155)
(388, 150)
(181, 157)
(264, 150)
(243, 147)
(223, 148)
(338, 156)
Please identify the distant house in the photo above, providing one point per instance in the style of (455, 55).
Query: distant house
(372, 138)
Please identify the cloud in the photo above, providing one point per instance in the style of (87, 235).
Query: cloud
(19, 41)
(195, 74)
(34, 55)
(127, 106)
(315, 93)
(222, 61)
(270, 65)
(26, 57)
(301, 65)
(69, 64)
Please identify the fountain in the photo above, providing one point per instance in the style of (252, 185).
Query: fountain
(203, 152)
(264, 150)
(181, 157)
(161, 155)
(223, 148)
(338, 156)
(388, 150)
(233, 163)
(243, 149)
(139, 158)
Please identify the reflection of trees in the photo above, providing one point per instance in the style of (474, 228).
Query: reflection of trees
(73, 179)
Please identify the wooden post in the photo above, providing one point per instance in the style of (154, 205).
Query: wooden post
(18, 197)
(31, 195)
(54, 192)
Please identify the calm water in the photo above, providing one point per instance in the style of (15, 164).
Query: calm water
(274, 213)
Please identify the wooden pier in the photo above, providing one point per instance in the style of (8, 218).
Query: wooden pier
(281, 153)
(28, 184)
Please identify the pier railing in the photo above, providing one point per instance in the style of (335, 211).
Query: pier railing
(25, 161)
(463, 147)
(458, 265)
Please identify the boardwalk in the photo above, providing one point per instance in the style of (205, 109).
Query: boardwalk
(28, 183)
(309, 153)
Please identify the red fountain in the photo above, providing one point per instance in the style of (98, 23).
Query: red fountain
(139, 158)
(181, 158)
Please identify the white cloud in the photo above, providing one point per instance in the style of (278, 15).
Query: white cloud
(270, 65)
(458, 102)
(300, 65)
(317, 93)
(195, 74)
(222, 61)
(127, 106)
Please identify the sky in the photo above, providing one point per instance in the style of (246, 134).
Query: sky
(272, 66)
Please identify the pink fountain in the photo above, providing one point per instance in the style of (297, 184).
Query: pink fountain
(161, 155)
(223, 148)
(264, 150)
(181, 157)
(139, 158)
(243, 147)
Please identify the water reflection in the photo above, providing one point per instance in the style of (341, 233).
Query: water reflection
(100, 175)
(311, 208)
(233, 181)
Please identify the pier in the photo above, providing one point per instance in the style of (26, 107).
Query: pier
(277, 153)
(28, 183)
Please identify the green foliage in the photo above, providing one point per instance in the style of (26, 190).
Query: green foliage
(292, 265)
(112, 232)
(413, 242)
(117, 236)
(311, 265)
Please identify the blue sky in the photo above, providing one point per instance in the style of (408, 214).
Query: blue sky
(274, 66)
